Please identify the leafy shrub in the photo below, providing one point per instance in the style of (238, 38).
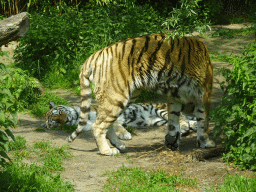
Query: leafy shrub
(187, 18)
(235, 116)
(24, 89)
(40, 108)
(8, 115)
(54, 51)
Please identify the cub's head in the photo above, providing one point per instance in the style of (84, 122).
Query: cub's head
(55, 116)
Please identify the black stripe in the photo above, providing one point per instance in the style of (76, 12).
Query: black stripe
(85, 109)
(140, 55)
(146, 43)
(81, 123)
(108, 64)
(133, 45)
(179, 54)
(116, 103)
(139, 123)
(153, 56)
(86, 97)
(95, 66)
(124, 43)
(199, 119)
(171, 44)
(189, 50)
(167, 62)
(102, 65)
(171, 127)
(116, 50)
(200, 111)
(175, 113)
(162, 35)
(162, 113)
(121, 71)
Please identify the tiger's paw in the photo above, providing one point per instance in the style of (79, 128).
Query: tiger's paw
(172, 142)
(111, 151)
(124, 136)
(118, 144)
(205, 143)
(70, 139)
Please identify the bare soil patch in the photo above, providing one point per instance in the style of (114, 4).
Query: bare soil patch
(145, 149)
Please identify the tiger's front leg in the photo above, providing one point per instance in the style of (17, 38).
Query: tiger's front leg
(111, 135)
(100, 129)
(173, 134)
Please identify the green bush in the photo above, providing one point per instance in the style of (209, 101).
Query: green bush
(235, 116)
(25, 90)
(8, 114)
(40, 108)
(60, 40)
(187, 18)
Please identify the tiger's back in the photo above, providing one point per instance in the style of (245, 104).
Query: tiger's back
(179, 68)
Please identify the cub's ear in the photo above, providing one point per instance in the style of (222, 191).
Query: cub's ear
(52, 105)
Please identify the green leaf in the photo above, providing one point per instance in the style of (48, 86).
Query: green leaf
(9, 133)
(2, 117)
(3, 136)
(250, 131)
(15, 117)
(3, 154)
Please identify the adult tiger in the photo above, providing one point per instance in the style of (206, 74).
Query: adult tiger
(179, 68)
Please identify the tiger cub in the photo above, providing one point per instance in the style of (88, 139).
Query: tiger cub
(135, 116)
(179, 68)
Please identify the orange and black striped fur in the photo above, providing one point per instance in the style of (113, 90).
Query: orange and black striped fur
(179, 68)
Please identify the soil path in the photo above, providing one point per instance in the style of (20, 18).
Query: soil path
(145, 149)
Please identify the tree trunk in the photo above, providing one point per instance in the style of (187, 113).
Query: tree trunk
(13, 28)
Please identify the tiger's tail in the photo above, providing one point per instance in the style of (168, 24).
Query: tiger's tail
(86, 96)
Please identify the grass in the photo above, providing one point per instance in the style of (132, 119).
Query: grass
(41, 175)
(66, 128)
(137, 180)
(238, 183)
(233, 33)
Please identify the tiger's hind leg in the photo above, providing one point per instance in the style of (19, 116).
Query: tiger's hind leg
(203, 140)
(173, 134)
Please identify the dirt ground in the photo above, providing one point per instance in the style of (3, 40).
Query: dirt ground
(146, 149)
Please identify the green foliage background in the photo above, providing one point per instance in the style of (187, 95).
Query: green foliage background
(235, 116)
(54, 51)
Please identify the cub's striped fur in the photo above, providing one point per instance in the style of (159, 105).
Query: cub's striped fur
(179, 68)
(136, 115)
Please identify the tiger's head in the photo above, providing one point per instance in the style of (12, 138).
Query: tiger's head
(55, 116)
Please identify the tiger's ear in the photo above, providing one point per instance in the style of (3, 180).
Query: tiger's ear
(52, 105)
